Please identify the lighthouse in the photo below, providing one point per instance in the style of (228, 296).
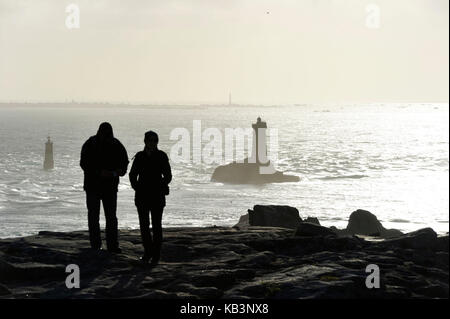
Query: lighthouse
(256, 169)
(48, 161)
(259, 147)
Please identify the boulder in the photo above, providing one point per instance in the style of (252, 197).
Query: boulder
(249, 173)
(243, 222)
(310, 229)
(425, 238)
(363, 222)
(312, 220)
(274, 216)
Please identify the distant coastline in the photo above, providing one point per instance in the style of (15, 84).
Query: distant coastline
(107, 104)
(212, 104)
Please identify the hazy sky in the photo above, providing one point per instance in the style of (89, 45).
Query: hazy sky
(196, 51)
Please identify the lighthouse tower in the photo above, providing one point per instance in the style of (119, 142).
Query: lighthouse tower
(48, 161)
(259, 147)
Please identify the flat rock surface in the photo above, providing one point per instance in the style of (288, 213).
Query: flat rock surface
(223, 262)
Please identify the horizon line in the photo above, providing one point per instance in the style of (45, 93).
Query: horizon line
(223, 103)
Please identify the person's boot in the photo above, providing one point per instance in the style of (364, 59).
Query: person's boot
(154, 261)
(155, 258)
(147, 255)
(145, 258)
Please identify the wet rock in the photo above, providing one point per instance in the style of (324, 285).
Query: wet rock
(363, 222)
(309, 229)
(312, 220)
(274, 216)
(425, 238)
(224, 262)
(243, 221)
(260, 259)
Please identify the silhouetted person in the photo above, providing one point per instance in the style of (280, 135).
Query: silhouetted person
(150, 176)
(103, 160)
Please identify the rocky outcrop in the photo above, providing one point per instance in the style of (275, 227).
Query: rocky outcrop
(310, 229)
(363, 222)
(312, 220)
(425, 238)
(248, 173)
(243, 222)
(274, 216)
(223, 262)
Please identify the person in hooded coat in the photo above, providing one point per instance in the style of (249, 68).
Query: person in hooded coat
(103, 159)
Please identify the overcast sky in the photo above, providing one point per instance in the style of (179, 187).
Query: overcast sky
(196, 51)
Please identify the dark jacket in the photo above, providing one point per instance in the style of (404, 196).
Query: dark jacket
(96, 157)
(150, 177)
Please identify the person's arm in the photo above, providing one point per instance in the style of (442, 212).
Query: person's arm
(121, 171)
(134, 172)
(86, 158)
(166, 170)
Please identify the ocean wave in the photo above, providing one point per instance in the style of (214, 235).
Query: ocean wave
(399, 220)
(342, 177)
(39, 201)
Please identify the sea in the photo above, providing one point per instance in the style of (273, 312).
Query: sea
(389, 159)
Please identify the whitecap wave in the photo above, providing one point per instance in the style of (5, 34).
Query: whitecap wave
(343, 177)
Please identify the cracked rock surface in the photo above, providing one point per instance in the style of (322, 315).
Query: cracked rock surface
(224, 262)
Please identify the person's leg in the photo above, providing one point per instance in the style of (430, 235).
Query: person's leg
(93, 206)
(144, 224)
(157, 212)
(110, 207)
